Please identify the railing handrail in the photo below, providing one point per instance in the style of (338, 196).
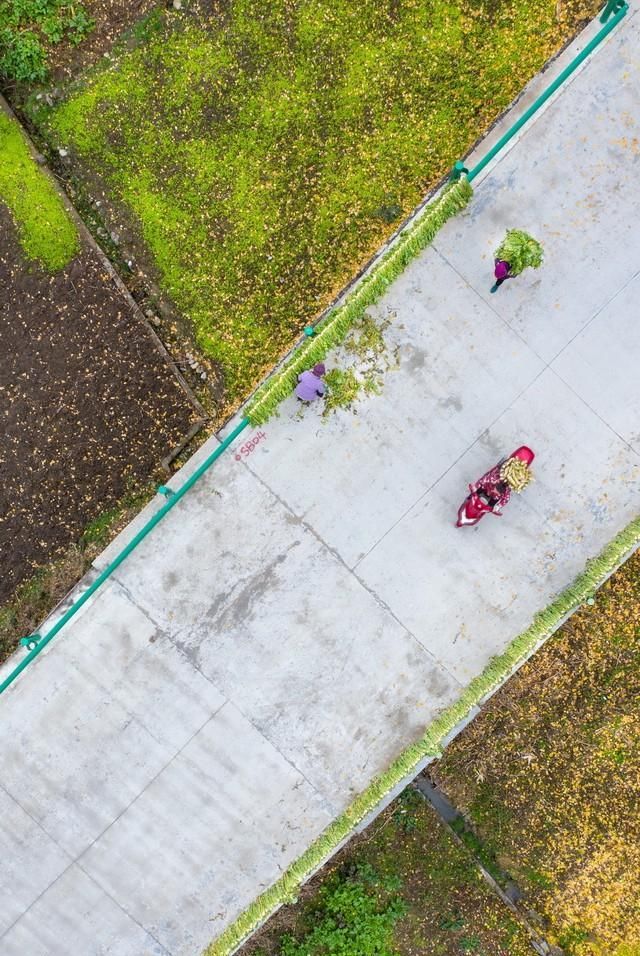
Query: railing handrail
(621, 7)
(173, 497)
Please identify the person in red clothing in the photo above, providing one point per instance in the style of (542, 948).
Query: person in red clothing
(494, 487)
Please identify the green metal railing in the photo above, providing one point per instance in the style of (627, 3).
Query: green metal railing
(37, 642)
(612, 14)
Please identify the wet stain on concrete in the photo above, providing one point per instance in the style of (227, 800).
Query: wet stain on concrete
(451, 401)
(413, 359)
(232, 608)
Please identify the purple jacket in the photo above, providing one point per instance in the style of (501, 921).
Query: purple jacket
(309, 387)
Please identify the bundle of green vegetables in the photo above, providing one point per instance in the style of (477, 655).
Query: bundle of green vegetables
(520, 250)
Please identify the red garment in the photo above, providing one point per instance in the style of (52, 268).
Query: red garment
(489, 484)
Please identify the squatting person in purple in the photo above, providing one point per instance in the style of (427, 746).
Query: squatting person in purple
(310, 385)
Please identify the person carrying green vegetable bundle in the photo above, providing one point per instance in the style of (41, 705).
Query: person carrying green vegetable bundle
(517, 252)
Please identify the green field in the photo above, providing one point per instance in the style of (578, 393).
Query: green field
(262, 152)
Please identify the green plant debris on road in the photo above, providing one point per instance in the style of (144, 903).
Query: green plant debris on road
(265, 150)
(549, 774)
(402, 888)
(45, 229)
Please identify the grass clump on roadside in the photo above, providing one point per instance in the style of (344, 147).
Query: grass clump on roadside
(45, 229)
(403, 887)
(264, 151)
(27, 27)
(549, 774)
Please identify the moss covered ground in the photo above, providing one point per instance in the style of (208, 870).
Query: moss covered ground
(549, 775)
(261, 152)
(403, 888)
(45, 229)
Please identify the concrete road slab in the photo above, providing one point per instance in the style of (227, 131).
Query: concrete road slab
(585, 214)
(274, 620)
(288, 647)
(31, 861)
(458, 364)
(75, 916)
(79, 757)
(602, 365)
(214, 829)
(135, 663)
(506, 565)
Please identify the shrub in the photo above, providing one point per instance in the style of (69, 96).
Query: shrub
(349, 919)
(30, 24)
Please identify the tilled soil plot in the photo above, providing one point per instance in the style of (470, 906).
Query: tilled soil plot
(88, 405)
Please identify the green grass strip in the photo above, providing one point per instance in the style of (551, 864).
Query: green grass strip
(332, 330)
(496, 673)
(46, 231)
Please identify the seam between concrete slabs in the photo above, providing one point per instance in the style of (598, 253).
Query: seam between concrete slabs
(594, 412)
(72, 862)
(121, 907)
(595, 315)
(351, 571)
(53, 840)
(178, 645)
(489, 304)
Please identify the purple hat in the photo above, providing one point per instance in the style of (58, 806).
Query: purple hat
(318, 370)
(501, 270)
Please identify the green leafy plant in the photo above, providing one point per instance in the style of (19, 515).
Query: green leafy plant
(405, 815)
(469, 944)
(21, 56)
(520, 250)
(27, 26)
(343, 388)
(349, 918)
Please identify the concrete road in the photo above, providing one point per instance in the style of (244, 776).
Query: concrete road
(302, 615)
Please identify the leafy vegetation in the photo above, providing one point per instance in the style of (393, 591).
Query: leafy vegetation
(343, 388)
(46, 230)
(265, 150)
(520, 250)
(28, 26)
(404, 887)
(549, 774)
(349, 917)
